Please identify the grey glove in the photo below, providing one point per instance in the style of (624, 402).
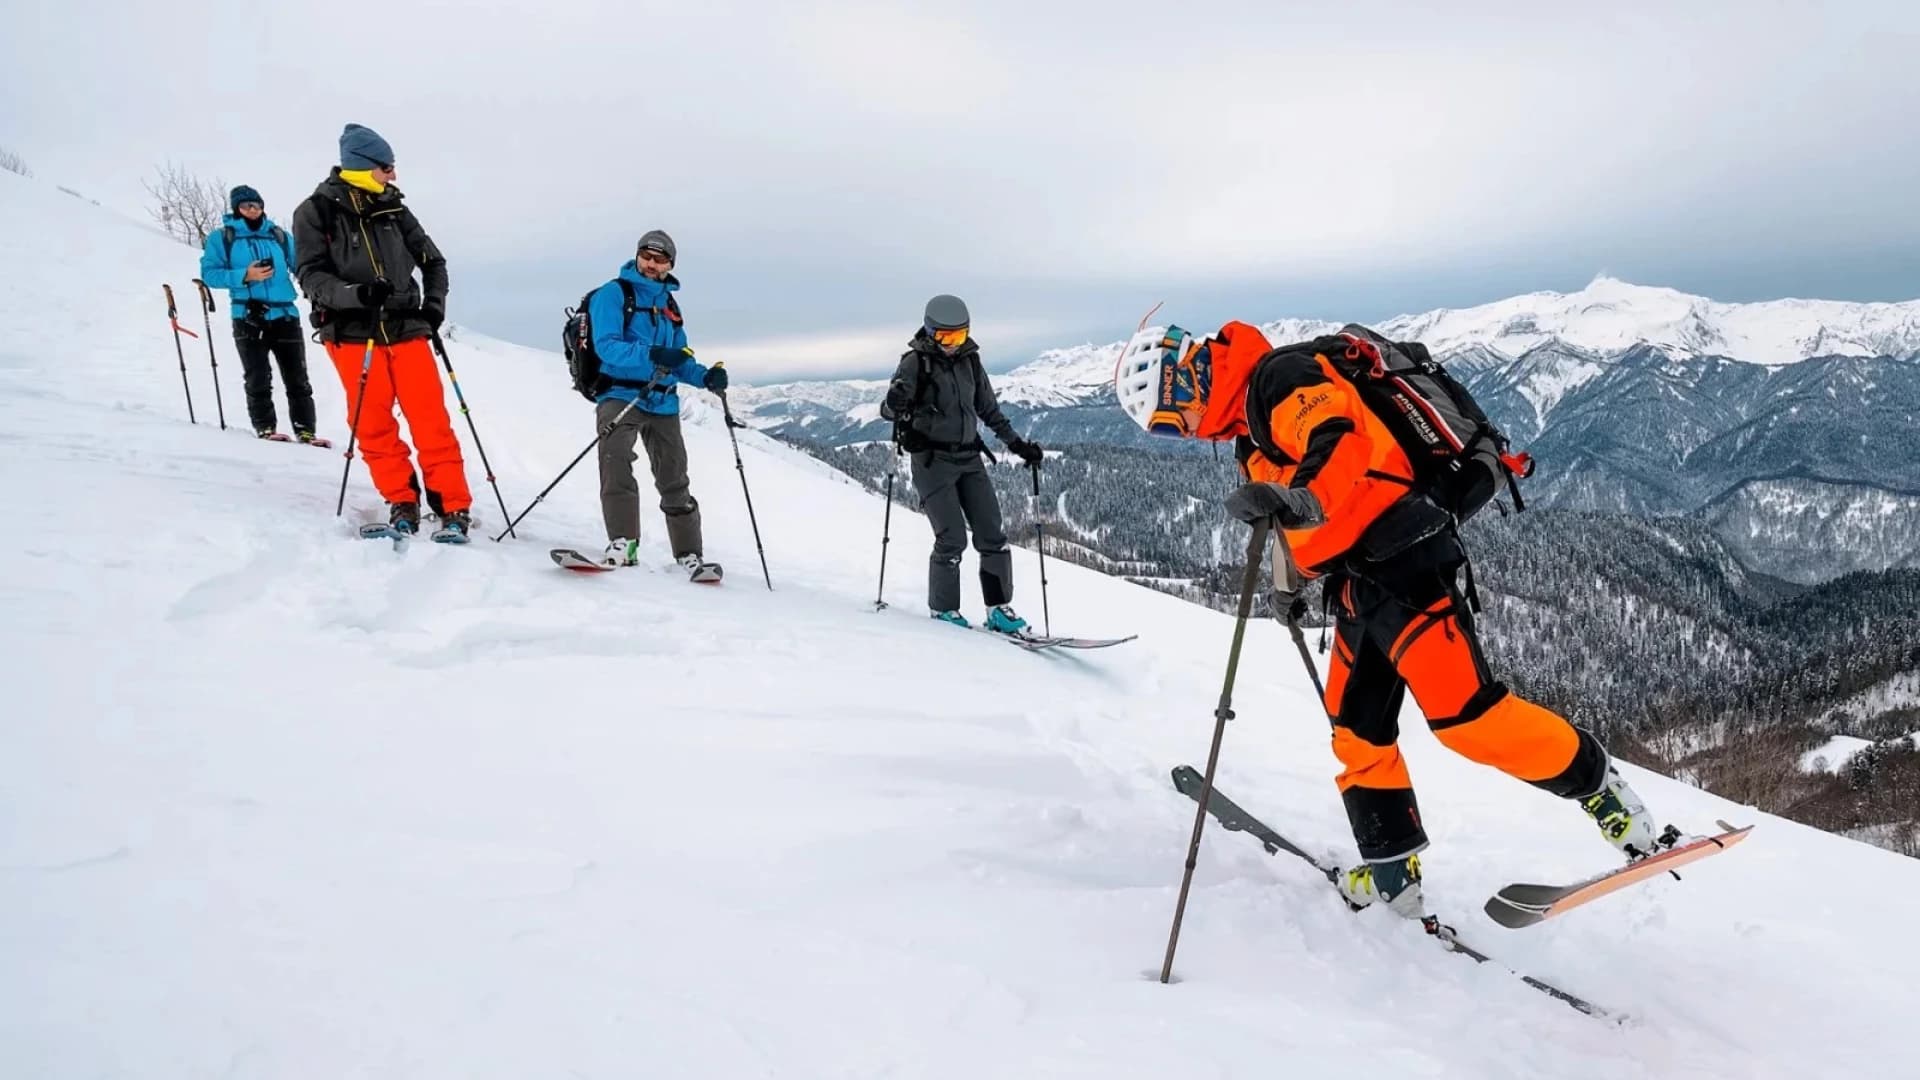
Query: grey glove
(1293, 508)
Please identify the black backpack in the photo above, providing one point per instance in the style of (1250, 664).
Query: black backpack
(576, 340)
(1459, 457)
(279, 237)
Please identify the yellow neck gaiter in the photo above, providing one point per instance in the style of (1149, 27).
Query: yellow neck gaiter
(363, 179)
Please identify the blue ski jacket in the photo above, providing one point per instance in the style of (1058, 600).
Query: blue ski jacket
(224, 266)
(652, 342)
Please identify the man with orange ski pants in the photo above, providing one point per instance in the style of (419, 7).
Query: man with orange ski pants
(359, 248)
(1342, 489)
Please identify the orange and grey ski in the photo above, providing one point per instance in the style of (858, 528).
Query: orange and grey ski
(1519, 906)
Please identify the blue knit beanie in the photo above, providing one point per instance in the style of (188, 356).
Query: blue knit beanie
(243, 194)
(363, 148)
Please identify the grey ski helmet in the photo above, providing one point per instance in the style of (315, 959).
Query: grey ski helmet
(947, 313)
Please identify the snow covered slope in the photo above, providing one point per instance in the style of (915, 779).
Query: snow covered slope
(278, 802)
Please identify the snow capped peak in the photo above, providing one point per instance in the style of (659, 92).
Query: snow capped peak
(1610, 315)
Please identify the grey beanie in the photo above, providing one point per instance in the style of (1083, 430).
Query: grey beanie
(658, 240)
(363, 148)
(946, 313)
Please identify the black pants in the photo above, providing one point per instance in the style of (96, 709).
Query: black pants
(282, 340)
(957, 494)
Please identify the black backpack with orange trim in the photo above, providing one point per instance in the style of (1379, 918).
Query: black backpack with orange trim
(1460, 458)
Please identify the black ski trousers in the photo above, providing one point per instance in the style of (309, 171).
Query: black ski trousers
(957, 494)
(259, 343)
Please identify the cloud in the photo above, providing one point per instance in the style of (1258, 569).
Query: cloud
(825, 168)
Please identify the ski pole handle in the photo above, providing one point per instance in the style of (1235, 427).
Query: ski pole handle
(1035, 467)
(172, 311)
(206, 294)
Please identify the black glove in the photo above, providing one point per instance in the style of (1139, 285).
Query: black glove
(898, 403)
(374, 295)
(716, 379)
(434, 312)
(1026, 450)
(1294, 508)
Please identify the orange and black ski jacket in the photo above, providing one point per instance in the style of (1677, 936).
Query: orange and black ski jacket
(1308, 427)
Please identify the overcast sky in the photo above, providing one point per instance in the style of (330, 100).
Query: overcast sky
(826, 168)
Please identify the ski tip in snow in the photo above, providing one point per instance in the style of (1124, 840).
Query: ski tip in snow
(569, 559)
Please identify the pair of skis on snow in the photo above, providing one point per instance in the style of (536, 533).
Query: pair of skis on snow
(1033, 642)
(281, 436)
(568, 559)
(1514, 906)
(379, 531)
(1042, 642)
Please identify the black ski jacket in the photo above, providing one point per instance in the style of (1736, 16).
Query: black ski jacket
(951, 397)
(344, 237)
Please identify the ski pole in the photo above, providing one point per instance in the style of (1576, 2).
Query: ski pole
(1040, 545)
(605, 430)
(462, 398)
(359, 400)
(1221, 714)
(206, 319)
(727, 411)
(886, 526)
(173, 316)
(1288, 579)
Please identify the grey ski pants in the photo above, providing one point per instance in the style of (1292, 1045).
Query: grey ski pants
(957, 495)
(667, 455)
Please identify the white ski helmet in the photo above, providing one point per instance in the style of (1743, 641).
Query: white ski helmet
(1161, 380)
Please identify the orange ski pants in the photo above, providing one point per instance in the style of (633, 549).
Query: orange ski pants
(1416, 633)
(404, 373)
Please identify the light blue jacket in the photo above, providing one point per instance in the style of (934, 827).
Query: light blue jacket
(653, 341)
(224, 267)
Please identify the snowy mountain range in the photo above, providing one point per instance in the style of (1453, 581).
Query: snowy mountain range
(1632, 398)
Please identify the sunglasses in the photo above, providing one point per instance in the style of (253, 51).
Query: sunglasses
(655, 255)
(949, 338)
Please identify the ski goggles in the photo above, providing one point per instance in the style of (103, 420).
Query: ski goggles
(1186, 373)
(949, 339)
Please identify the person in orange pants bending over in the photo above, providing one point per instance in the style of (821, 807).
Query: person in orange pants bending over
(359, 248)
(1342, 488)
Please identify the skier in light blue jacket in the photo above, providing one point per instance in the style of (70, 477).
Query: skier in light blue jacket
(252, 258)
(641, 341)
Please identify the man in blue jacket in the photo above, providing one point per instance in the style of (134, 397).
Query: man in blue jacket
(252, 258)
(642, 345)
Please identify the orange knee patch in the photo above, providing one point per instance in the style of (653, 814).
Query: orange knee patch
(1366, 765)
(1436, 659)
(1517, 737)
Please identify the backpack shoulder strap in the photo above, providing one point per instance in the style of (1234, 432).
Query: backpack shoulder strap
(280, 237)
(227, 231)
(628, 305)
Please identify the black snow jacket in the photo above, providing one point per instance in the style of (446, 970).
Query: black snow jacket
(345, 237)
(951, 397)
